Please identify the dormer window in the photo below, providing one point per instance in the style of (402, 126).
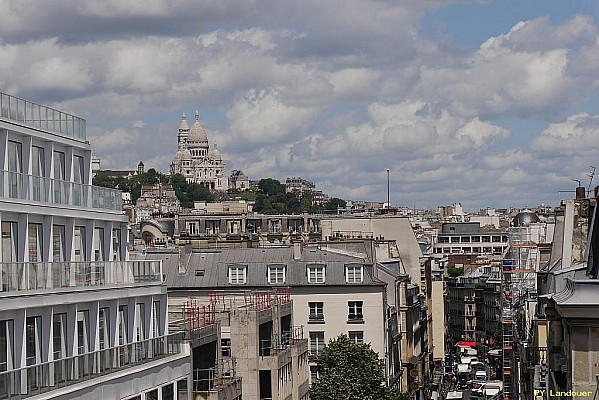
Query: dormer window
(276, 274)
(237, 274)
(354, 273)
(316, 273)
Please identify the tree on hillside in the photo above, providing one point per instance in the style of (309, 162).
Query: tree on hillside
(348, 371)
(271, 187)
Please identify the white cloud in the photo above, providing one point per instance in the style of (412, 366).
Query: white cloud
(335, 91)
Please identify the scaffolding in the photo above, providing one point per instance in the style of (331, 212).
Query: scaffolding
(518, 284)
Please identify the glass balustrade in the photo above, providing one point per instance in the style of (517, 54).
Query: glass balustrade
(41, 378)
(41, 117)
(34, 188)
(16, 277)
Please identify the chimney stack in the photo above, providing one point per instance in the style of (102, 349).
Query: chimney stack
(580, 193)
(596, 191)
(297, 250)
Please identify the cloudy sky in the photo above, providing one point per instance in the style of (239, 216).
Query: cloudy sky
(487, 103)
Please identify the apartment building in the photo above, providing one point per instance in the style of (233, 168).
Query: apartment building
(78, 320)
(469, 237)
(333, 291)
(408, 276)
(563, 356)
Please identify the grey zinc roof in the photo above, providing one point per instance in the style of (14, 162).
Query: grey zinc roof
(214, 266)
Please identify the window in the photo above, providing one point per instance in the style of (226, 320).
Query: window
(156, 321)
(237, 275)
(58, 243)
(316, 311)
(167, 392)
(355, 311)
(182, 389)
(15, 168)
(152, 395)
(276, 274)
(9, 242)
(37, 170)
(78, 192)
(316, 342)
(356, 337)
(316, 274)
(140, 319)
(33, 341)
(354, 273)
(98, 244)
(60, 188)
(116, 245)
(6, 346)
(313, 373)
(79, 243)
(225, 345)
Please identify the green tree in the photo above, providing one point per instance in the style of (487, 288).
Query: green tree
(271, 187)
(334, 203)
(349, 371)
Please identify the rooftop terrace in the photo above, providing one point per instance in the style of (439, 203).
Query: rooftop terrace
(41, 117)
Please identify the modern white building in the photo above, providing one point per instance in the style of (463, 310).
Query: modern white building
(77, 319)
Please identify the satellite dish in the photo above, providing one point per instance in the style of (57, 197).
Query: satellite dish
(414, 386)
(414, 373)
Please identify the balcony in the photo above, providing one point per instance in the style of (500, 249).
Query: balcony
(30, 276)
(217, 378)
(41, 117)
(281, 342)
(534, 356)
(41, 378)
(20, 186)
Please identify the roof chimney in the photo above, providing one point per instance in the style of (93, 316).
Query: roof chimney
(580, 193)
(297, 250)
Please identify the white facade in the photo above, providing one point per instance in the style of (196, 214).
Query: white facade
(73, 310)
(195, 161)
(336, 320)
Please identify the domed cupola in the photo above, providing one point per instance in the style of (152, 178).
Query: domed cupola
(214, 153)
(197, 135)
(183, 127)
(525, 218)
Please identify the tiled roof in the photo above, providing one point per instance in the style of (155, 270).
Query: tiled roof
(209, 268)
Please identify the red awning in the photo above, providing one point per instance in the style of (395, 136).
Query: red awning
(466, 344)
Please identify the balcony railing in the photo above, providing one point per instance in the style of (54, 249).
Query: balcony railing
(280, 342)
(41, 378)
(42, 117)
(535, 355)
(214, 378)
(21, 186)
(17, 277)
